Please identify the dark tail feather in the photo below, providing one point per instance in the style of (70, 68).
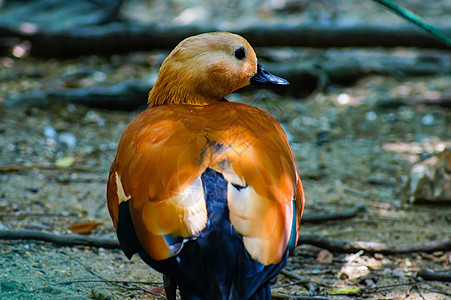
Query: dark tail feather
(126, 232)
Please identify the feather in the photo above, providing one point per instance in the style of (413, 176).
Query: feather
(204, 190)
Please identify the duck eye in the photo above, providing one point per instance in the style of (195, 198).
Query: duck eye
(240, 53)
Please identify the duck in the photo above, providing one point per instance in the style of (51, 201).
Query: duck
(204, 190)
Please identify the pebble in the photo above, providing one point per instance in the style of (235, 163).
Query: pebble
(68, 139)
(371, 116)
(50, 132)
(3, 226)
(93, 117)
(428, 120)
(343, 99)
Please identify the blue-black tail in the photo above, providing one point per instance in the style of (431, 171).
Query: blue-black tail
(215, 264)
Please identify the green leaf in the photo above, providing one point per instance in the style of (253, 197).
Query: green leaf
(347, 290)
(65, 162)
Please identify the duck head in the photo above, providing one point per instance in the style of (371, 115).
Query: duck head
(205, 68)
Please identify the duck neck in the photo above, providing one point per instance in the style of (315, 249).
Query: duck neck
(174, 86)
(177, 94)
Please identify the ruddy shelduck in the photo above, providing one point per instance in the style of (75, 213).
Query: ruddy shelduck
(206, 191)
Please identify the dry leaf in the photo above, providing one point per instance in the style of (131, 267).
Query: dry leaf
(325, 257)
(84, 227)
(352, 271)
(157, 290)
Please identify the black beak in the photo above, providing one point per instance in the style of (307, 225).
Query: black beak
(264, 77)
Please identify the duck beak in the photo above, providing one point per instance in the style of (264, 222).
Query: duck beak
(264, 77)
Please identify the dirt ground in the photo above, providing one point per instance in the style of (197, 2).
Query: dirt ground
(365, 158)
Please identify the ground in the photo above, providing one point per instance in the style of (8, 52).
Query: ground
(365, 157)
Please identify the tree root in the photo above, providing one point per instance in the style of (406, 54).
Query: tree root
(309, 217)
(20, 167)
(60, 239)
(304, 239)
(428, 274)
(372, 247)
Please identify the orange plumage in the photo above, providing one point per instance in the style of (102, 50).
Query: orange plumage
(189, 147)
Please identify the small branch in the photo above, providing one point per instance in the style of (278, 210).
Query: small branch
(428, 274)
(84, 33)
(60, 239)
(439, 100)
(299, 279)
(292, 275)
(123, 284)
(372, 247)
(310, 239)
(310, 217)
(299, 297)
(311, 71)
(125, 96)
(22, 214)
(120, 37)
(126, 282)
(372, 290)
(18, 167)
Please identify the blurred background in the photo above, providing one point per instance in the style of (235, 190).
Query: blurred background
(367, 115)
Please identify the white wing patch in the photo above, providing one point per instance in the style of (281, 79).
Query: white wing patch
(120, 189)
(191, 202)
(259, 221)
(232, 178)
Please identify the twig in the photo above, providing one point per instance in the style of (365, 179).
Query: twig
(310, 217)
(19, 167)
(115, 282)
(418, 287)
(301, 279)
(19, 214)
(293, 276)
(87, 268)
(299, 297)
(428, 274)
(371, 290)
(372, 247)
(116, 38)
(305, 74)
(60, 239)
(434, 100)
(311, 239)
(438, 292)
(119, 283)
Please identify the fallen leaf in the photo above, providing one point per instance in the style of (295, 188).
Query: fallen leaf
(346, 290)
(84, 227)
(325, 257)
(65, 162)
(156, 290)
(353, 271)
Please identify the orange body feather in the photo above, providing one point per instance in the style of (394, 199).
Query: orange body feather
(189, 129)
(166, 148)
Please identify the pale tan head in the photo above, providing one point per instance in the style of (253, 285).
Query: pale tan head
(205, 68)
